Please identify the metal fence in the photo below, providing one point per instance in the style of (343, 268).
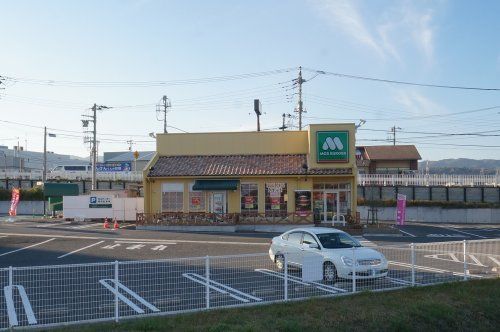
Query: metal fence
(448, 180)
(64, 294)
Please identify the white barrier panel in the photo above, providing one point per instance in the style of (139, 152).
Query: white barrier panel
(82, 207)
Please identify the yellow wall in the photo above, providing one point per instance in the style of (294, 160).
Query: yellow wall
(231, 143)
(312, 157)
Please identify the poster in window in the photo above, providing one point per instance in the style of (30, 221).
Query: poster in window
(196, 202)
(302, 201)
(249, 202)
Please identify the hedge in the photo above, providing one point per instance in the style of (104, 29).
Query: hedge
(33, 194)
(442, 204)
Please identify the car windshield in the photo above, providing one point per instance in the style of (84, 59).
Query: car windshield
(337, 241)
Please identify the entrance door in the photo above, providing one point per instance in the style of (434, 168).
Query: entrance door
(218, 201)
(331, 206)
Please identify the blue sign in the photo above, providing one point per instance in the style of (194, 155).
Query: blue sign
(113, 167)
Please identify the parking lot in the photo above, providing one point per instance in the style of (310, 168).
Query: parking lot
(64, 272)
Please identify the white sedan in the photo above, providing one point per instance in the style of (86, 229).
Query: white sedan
(336, 249)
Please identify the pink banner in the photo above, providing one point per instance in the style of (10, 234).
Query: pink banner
(401, 210)
(14, 201)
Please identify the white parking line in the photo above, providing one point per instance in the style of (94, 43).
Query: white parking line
(11, 309)
(24, 248)
(455, 259)
(58, 236)
(476, 261)
(401, 281)
(431, 269)
(494, 260)
(87, 226)
(106, 283)
(77, 250)
(326, 288)
(54, 225)
(221, 288)
(467, 233)
(406, 232)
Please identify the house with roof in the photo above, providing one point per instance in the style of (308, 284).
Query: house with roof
(387, 159)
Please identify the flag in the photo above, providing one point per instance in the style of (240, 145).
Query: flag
(14, 201)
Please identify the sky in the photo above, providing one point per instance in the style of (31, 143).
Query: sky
(212, 58)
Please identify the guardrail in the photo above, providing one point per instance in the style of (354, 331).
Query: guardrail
(428, 180)
(43, 296)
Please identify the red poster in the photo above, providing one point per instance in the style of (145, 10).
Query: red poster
(248, 202)
(196, 201)
(14, 201)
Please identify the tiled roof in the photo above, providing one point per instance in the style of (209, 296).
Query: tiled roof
(237, 165)
(392, 152)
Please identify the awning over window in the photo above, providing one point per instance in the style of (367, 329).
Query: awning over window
(215, 184)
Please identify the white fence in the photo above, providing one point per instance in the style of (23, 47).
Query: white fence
(428, 180)
(64, 294)
(37, 175)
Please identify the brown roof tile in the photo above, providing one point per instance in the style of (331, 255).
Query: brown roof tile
(237, 165)
(392, 152)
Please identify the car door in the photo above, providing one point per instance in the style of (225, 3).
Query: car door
(305, 248)
(293, 248)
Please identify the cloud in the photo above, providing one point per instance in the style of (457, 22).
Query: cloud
(416, 103)
(399, 26)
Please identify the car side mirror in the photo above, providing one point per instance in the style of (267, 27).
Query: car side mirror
(313, 245)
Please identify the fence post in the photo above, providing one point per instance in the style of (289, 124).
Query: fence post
(412, 246)
(353, 269)
(465, 260)
(286, 275)
(116, 292)
(10, 276)
(207, 285)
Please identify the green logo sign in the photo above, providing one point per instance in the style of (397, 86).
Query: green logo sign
(332, 146)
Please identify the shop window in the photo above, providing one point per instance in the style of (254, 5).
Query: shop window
(276, 198)
(197, 200)
(302, 202)
(249, 198)
(172, 197)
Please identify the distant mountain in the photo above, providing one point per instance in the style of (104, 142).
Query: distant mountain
(461, 166)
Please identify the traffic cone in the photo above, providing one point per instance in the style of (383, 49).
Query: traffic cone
(106, 223)
(115, 225)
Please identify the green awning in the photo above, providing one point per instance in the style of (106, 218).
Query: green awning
(215, 184)
(54, 189)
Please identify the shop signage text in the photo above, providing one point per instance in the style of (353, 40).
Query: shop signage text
(100, 202)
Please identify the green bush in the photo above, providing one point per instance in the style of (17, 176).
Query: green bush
(33, 194)
(442, 204)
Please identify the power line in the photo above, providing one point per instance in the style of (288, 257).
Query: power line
(204, 80)
(381, 80)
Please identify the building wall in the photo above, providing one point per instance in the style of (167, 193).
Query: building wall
(232, 143)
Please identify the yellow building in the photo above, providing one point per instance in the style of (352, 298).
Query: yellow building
(281, 175)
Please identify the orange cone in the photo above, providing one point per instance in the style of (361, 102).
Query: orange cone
(106, 223)
(115, 225)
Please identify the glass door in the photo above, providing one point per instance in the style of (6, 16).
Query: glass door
(218, 202)
(331, 206)
(318, 206)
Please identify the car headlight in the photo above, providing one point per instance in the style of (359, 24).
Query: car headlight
(346, 260)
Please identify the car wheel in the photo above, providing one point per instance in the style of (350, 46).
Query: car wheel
(329, 272)
(279, 260)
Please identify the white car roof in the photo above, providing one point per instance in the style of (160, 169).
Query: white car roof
(317, 230)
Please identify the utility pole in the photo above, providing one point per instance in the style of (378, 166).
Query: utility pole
(130, 144)
(44, 177)
(93, 118)
(393, 132)
(283, 127)
(300, 108)
(163, 106)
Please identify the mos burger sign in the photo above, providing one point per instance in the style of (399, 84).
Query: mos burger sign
(332, 146)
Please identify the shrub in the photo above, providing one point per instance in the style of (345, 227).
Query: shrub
(442, 204)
